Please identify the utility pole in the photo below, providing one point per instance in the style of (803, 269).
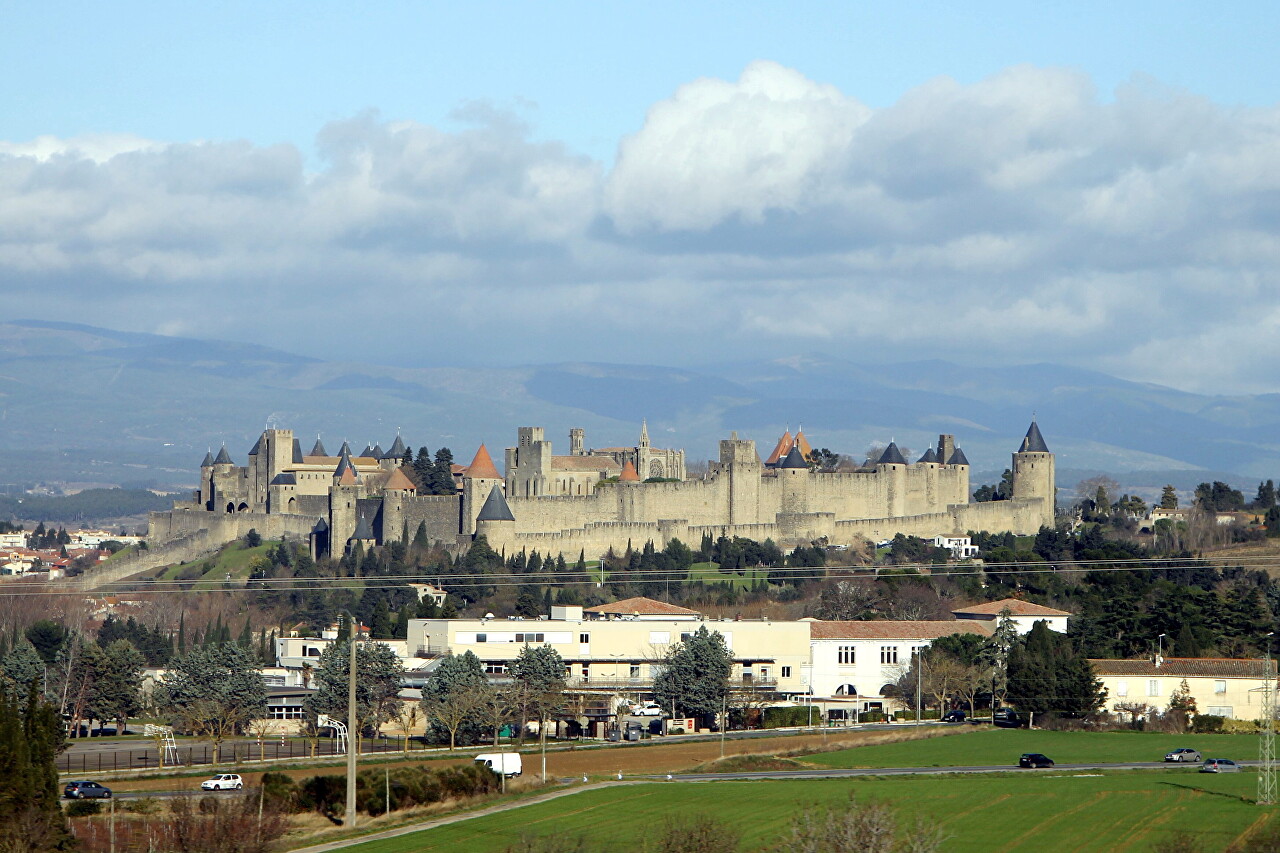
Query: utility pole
(354, 743)
(919, 684)
(1267, 736)
(724, 719)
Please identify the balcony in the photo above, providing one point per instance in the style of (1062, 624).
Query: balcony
(429, 651)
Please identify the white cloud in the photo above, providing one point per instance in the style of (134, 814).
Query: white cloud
(1021, 218)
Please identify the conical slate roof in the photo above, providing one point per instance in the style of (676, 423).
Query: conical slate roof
(318, 449)
(257, 445)
(363, 530)
(482, 467)
(368, 450)
(929, 456)
(320, 526)
(345, 472)
(375, 452)
(344, 450)
(958, 458)
(892, 455)
(495, 507)
(297, 452)
(795, 459)
(397, 450)
(1034, 442)
(208, 459)
(399, 481)
(223, 457)
(628, 474)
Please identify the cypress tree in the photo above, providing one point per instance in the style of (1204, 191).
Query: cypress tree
(182, 633)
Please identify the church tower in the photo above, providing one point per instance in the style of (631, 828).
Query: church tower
(1033, 473)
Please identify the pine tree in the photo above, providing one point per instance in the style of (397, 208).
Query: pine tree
(246, 635)
(1168, 498)
(182, 633)
(442, 473)
(423, 469)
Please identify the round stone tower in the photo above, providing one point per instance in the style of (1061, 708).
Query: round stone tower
(1033, 474)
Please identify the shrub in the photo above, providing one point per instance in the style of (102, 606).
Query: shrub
(323, 794)
(697, 834)
(84, 808)
(778, 718)
(280, 792)
(1205, 724)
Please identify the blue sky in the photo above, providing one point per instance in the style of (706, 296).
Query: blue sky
(1096, 184)
(580, 72)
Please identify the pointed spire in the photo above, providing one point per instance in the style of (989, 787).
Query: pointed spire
(892, 455)
(1034, 441)
(344, 450)
(346, 472)
(257, 445)
(318, 448)
(482, 467)
(397, 450)
(628, 474)
(644, 432)
(780, 450)
(223, 457)
(399, 482)
(376, 451)
(495, 507)
(958, 458)
(368, 450)
(795, 459)
(320, 526)
(208, 459)
(803, 443)
(297, 452)
(929, 456)
(363, 530)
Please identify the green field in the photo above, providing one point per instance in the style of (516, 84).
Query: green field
(709, 573)
(1003, 746)
(233, 558)
(1031, 811)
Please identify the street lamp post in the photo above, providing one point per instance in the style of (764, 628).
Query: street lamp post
(1160, 648)
(353, 743)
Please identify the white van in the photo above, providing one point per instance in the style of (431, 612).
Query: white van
(504, 763)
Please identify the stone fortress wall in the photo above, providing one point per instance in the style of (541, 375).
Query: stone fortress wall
(283, 493)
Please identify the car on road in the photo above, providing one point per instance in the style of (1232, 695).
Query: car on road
(1219, 765)
(1184, 754)
(1034, 759)
(86, 791)
(954, 716)
(223, 782)
(1006, 718)
(646, 709)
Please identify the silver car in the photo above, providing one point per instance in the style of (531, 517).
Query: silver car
(1219, 765)
(1184, 754)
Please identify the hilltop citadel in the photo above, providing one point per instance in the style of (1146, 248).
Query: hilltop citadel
(592, 500)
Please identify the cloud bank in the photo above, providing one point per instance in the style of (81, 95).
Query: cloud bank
(1024, 218)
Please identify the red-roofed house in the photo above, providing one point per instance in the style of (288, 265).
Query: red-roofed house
(1023, 613)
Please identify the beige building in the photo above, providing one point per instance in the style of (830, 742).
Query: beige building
(1224, 687)
(620, 650)
(1024, 615)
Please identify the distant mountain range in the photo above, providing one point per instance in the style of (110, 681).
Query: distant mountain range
(92, 405)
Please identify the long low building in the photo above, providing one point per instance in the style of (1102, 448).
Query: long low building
(1223, 687)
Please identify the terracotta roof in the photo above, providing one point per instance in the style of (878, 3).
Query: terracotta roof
(781, 449)
(883, 629)
(583, 463)
(1016, 607)
(398, 480)
(803, 443)
(629, 474)
(482, 467)
(643, 606)
(1184, 667)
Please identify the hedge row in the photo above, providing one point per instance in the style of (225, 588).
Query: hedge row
(408, 786)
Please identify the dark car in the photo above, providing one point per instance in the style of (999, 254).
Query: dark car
(86, 791)
(1034, 759)
(956, 716)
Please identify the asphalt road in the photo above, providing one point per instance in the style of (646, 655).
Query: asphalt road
(838, 773)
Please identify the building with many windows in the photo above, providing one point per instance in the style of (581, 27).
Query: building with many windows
(1223, 687)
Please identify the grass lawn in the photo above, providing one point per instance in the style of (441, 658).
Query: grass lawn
(1003, 746)
(709, 573)
(1032, 811)
(233, 558)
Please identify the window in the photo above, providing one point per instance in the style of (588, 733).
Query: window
(531, 638)
(846, 655)
(635, 670)
(285, 712)
(1220, 710)
(584, 638)
(586, 672)
(495, 667)
(1219, 687)
(786, 672)
(888, 654)
(684, 637)
(764, 673)
(1153, 687)
(1122, 688)
(482, 638)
